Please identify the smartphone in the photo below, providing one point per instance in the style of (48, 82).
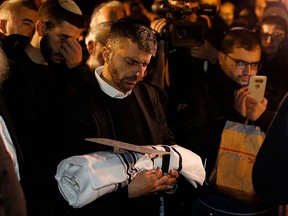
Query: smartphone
(257, 86)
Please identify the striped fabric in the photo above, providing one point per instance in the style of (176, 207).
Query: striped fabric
(84, 178)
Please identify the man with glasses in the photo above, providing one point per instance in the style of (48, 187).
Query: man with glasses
(273, 30)
(274, 27)
(223, 95)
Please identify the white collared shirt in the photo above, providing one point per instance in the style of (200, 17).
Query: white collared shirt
(107, 88)
(4, 133)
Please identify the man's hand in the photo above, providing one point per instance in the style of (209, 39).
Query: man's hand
(240, 97)
(151, 181)
(205, 52)
(72, 52)
(254, 109)
(159, 26)
(246, 106)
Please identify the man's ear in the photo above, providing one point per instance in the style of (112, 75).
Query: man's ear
(3, 24)
(40, 28)
(91, 47)
(106, 53)
(220, 56)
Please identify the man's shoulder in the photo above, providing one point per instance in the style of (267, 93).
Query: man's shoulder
(146, 87)
(14, 43)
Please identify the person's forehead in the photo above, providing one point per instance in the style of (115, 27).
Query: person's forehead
(269, 27)
(212, 2)
(174, 2)
(26, 13)
(261, 3)
(65, 28)
(129, 47)
(253, 55)
(107, 14)
(226, 8)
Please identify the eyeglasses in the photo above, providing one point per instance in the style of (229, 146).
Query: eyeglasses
(243, 65)
(273, 35)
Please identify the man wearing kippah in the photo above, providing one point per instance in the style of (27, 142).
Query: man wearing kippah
(44, 70)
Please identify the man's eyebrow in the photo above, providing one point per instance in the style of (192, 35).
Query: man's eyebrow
(132, 60)
(65, 35)
(27, 20)
(135, 61)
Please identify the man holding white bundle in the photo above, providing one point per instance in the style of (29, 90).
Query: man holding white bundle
(110, 171)
(114, 103)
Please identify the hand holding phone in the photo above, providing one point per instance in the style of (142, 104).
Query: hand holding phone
(257, 86)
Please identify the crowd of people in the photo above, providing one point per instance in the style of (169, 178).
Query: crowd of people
(140, 72)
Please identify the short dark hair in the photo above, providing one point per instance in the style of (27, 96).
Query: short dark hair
(134, 29)
(54, 12)
(9, 7)
(241, 38)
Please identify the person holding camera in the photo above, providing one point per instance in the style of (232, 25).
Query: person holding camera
(185, 61)
(189, 45)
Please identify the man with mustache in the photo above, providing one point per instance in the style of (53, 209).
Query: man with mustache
(115, 103)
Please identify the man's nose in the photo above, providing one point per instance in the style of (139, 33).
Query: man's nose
(141, 73)
(269, 39)
(247, 70)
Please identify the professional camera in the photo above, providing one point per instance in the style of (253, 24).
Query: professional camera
(179, 31)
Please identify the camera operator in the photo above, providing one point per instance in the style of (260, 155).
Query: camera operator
(190, 47)
(187, 60)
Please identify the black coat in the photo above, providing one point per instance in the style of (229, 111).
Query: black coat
(88, 114)
(33, 93)
(270, 169)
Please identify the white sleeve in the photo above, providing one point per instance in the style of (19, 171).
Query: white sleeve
(4, 133)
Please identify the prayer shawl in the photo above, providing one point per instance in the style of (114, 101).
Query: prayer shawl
(84, 178)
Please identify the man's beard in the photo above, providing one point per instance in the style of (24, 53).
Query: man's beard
(116, 79)
(4, 67)
(47, 51)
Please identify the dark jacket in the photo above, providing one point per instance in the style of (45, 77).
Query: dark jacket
(88, 114)
(33, 93)
(270, 169)
(202, 116)
(201, 120)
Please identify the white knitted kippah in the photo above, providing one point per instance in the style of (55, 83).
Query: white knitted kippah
(70, 6)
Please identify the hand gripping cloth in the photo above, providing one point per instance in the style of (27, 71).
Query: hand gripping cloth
(84, 178)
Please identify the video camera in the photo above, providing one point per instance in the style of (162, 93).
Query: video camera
(179, 31)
